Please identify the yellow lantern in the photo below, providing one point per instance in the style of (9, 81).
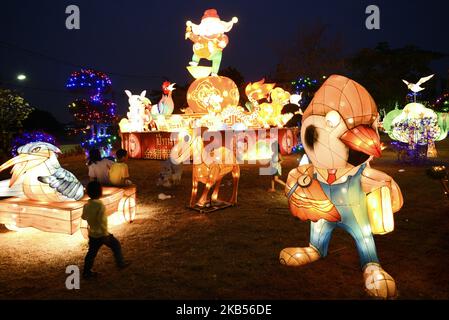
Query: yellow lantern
(212, 94)
(380, 212)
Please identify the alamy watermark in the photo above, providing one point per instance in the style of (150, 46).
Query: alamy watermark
(201, 146)
(73, 21)
(372, 22)
(72, 282)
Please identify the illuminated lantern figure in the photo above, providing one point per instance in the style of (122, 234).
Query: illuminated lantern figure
(138, 117)
(257, 91)
(416, 87)
(416, 125)
(208, 170)
(268, 113)
(166, 104)
(338, 188)
(37, 175)
(209, 38)
(212, 94)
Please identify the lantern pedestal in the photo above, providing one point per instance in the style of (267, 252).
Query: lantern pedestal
(65, 217)
(214, 206)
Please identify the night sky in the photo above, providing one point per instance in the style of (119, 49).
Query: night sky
(138, 43)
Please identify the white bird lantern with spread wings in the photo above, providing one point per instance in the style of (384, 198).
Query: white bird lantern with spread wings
(37, 175)
(416, 87)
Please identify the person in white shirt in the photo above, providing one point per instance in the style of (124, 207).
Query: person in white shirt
(99, 167)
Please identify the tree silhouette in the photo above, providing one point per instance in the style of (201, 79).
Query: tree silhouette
(41, 120)
(314, 52)
(13, 111)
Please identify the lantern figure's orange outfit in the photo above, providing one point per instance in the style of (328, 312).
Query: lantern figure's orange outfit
(339, 134)
(209, 48)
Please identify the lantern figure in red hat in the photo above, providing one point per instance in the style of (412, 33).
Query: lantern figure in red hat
(209, 38)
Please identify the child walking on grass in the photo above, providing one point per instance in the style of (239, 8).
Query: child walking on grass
(94, 213)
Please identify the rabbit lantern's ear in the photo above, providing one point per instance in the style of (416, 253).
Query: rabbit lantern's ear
(144, 93)
(128, 93)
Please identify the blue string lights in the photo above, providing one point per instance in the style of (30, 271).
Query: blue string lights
(96, 112)
(89, 80)
(33, 136)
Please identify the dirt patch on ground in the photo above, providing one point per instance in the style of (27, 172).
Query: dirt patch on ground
(233, 254)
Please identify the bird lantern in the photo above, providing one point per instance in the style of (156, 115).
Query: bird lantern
(212, 94)
(43, 195)
(37, 175)
(339, 189)
(166, 104)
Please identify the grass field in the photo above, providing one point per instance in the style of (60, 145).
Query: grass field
(177, 253)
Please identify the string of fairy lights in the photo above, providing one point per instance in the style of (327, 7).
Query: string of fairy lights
(98, 113)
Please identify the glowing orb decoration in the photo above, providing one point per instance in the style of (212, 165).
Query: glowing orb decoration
(212, 94)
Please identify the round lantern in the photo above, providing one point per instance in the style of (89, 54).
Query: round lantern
(212, 94)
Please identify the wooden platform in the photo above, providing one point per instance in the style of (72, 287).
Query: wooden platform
(62, 217)
(214, 206)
